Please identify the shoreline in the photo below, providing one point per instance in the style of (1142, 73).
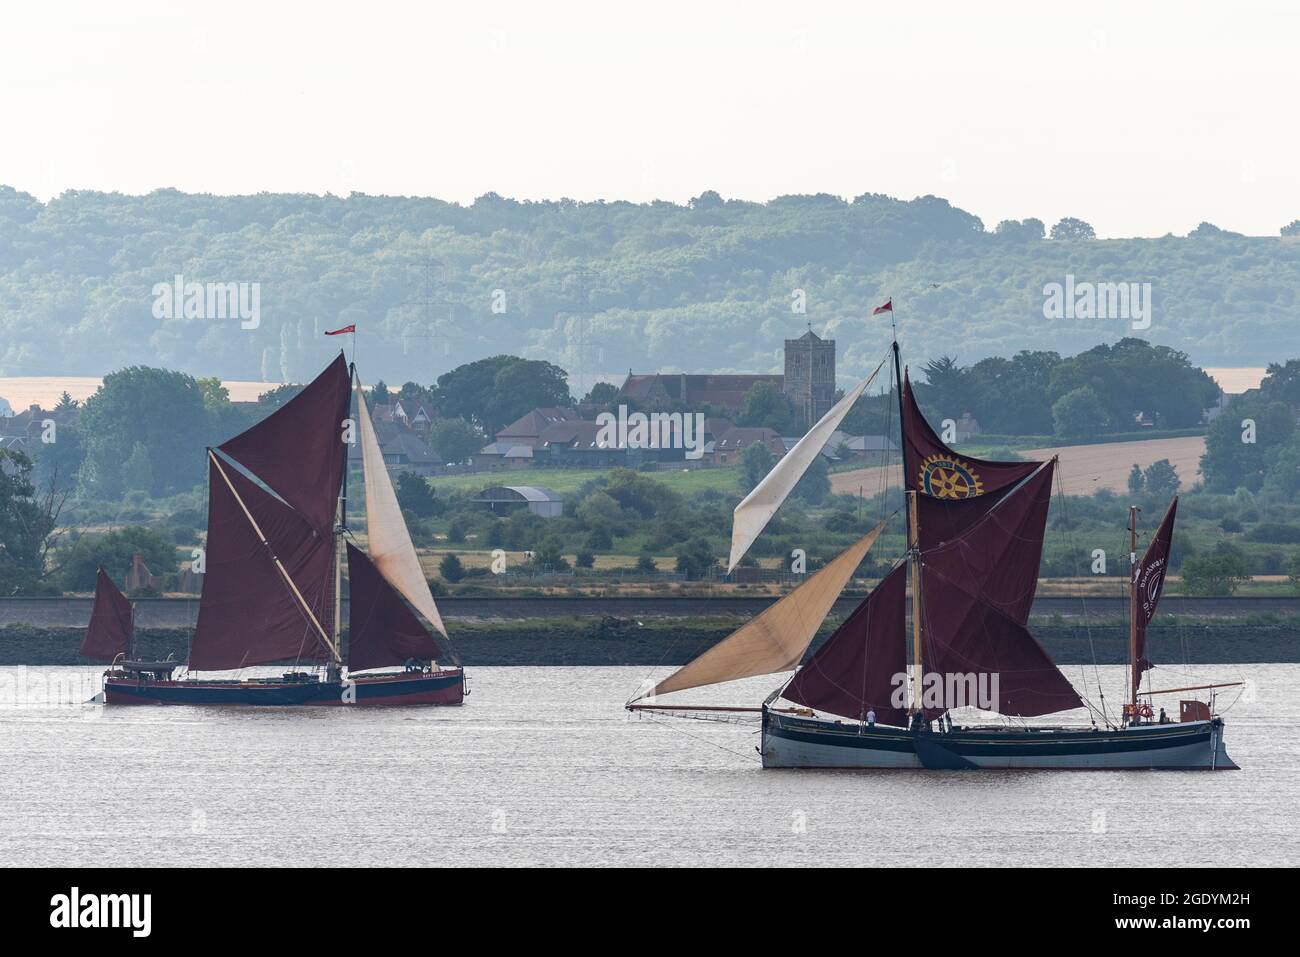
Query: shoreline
(612, 641)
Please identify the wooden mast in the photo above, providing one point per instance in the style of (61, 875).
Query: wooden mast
(914, 549)
(913, 537)
(341, 526)
(1134, 677)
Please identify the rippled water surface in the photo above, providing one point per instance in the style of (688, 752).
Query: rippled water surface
(542, 766)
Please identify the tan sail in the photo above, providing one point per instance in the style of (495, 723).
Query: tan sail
(389, 543)
(777, 638)
(752, 515)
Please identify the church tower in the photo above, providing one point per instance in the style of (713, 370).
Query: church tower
(810, 376)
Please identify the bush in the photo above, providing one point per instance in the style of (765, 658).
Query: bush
(646, 563)
(450, 568)
(695, 558)
(549, 556)
(1229, 524)
(114, 552)
(584, 560)
(1275, 533)
(1218, 573)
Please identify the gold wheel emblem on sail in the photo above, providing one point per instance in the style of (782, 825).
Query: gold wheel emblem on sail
(944, 476)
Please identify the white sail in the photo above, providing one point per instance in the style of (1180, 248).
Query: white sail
(389, 543)
(752, 515)
(777, 638)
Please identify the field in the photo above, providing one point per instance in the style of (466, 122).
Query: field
(1087, 468)
(24, 391)
(1084, 468)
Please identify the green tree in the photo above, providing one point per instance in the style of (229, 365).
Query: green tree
(645, 563)
(549, 555)
(584, 559)
(1293, 571)
(215, 395)
(1216, 573)
(755, 462)
(1021, 232)
(379, 395)
(602, 393)
(455, 440)
(114, 551)
(1282, 383)
(450, 568)
(58, 463)
(947, 389)
(496, 391)
(162, 411)
(766, 406)
(1071, 228)
(695, 558)
(137, 470)
(1161, 478)
(1079, 414)
(1136, 480)
(415, 495)
(1243, 443)
(27, 523)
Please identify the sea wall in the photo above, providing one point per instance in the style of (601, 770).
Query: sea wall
(624, 642)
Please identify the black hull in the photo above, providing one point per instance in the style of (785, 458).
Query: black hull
(797, 742)
(406, 688)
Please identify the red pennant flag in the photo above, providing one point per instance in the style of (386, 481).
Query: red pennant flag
(339, 332)
(887, 307)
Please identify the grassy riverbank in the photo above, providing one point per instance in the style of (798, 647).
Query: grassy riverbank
(624, 642)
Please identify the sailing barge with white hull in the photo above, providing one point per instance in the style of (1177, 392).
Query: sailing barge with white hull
(877, 694)
(277, 499)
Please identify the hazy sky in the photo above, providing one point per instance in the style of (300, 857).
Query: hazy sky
(1141, 117)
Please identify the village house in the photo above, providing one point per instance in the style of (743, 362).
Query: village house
(729, 447)
(403, 447)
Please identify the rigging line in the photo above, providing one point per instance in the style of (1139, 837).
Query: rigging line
(714, 744)
(1067, 538)
(329, 647)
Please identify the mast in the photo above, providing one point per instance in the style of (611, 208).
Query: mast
(340, 529)
(913, 536)
(914, 551)
(1134, 675)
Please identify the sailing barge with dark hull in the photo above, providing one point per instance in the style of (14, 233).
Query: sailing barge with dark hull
(878, 694)
(272, 588)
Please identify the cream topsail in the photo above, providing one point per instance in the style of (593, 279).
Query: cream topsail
(777, 638)
(389, 543)
(752, 515)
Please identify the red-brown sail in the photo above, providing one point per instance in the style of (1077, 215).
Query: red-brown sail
(965, 636)
(382, 630)
(298, 450)
(248, 613)
(998, 555)
(1150, 578)
(947, 480)
(854, 671)
(109, 633)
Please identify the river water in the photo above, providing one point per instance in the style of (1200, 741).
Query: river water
(542, 766)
